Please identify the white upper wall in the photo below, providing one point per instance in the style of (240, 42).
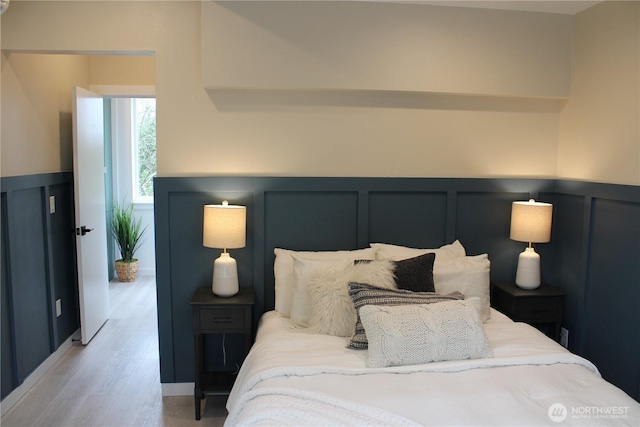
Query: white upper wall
(170, 30)
(36, 112)
(600, 125)
(270, 112)
(377, 46)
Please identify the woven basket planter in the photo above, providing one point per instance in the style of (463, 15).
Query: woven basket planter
(127, 271)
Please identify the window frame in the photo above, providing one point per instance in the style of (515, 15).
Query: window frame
(124, 151)
(135, 158)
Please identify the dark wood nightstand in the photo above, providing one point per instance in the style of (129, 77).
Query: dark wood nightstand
(540, 307)
(218, 315)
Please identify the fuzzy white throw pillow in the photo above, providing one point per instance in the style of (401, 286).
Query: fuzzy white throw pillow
(332, 311)
(310, 271)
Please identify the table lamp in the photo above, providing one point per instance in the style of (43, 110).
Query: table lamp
(531, 223)
(224, 227)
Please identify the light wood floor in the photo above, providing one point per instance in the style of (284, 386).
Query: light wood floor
(113, 381)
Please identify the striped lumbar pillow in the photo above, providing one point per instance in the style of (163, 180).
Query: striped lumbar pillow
(362, 294)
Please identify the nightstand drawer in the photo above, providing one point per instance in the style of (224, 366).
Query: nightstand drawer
(222, 319)
(538, 309)
(541, 307)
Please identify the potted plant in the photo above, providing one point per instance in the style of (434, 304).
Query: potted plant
(127, 231)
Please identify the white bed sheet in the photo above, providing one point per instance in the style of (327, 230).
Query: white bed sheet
(289, 370)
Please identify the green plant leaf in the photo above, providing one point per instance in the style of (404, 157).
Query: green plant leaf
(127, 231)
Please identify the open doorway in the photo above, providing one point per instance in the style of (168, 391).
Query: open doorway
(134, 142)
(131, 166)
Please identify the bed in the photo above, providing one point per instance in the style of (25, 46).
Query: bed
(390, 335)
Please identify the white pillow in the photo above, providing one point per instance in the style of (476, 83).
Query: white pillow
(398, 253)
(308, 272)
(468, 275)
(332, 312)
(423, 333)
(283, 271)
(330, 280)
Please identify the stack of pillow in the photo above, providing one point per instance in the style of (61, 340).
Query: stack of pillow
(383, 298)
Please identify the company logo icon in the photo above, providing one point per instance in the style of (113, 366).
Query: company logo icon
(557, 412)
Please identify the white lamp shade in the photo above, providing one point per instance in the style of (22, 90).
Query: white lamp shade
(531, 221)
(224, 226)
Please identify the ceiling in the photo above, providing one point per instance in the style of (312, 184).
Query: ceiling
(570, 7)
(551, 6)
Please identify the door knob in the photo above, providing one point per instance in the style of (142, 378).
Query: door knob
(83, 230)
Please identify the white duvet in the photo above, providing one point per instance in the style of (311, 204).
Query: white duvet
(294, 378)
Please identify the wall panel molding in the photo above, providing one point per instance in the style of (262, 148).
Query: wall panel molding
(324, 213)
(38, 260)
(314, 213)
(598, 267)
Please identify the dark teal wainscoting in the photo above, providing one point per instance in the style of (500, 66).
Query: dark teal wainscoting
(38, 267)
(594, 253)
(597, 261)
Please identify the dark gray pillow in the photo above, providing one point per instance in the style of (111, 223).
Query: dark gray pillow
(415, 274)
(363, 294)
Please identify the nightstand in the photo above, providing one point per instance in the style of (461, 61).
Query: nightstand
(540, 307)
(218, 315)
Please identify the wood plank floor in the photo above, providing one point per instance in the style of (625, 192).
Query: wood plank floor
(114, 381)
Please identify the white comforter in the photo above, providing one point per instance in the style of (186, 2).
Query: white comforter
(294, 378)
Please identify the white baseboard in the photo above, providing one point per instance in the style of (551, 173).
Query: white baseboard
(177, 389)
(17, 394)
(147, 271)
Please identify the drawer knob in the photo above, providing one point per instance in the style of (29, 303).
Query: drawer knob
(221, 320)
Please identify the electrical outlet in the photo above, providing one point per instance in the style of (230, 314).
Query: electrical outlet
(564, 337)
(58, 308)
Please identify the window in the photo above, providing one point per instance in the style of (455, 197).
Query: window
(133, 149)
(144, 148)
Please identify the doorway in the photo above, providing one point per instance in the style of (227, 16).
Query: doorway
(131, 170)
(130, 150)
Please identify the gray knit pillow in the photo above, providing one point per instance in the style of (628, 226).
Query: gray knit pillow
(423, 333)
(362, 294)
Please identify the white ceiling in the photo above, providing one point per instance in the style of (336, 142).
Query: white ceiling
(551, 6)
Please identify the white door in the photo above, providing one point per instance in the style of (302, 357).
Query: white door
(91, 226)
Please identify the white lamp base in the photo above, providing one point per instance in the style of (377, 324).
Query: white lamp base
(225, 276)
(528, 273)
